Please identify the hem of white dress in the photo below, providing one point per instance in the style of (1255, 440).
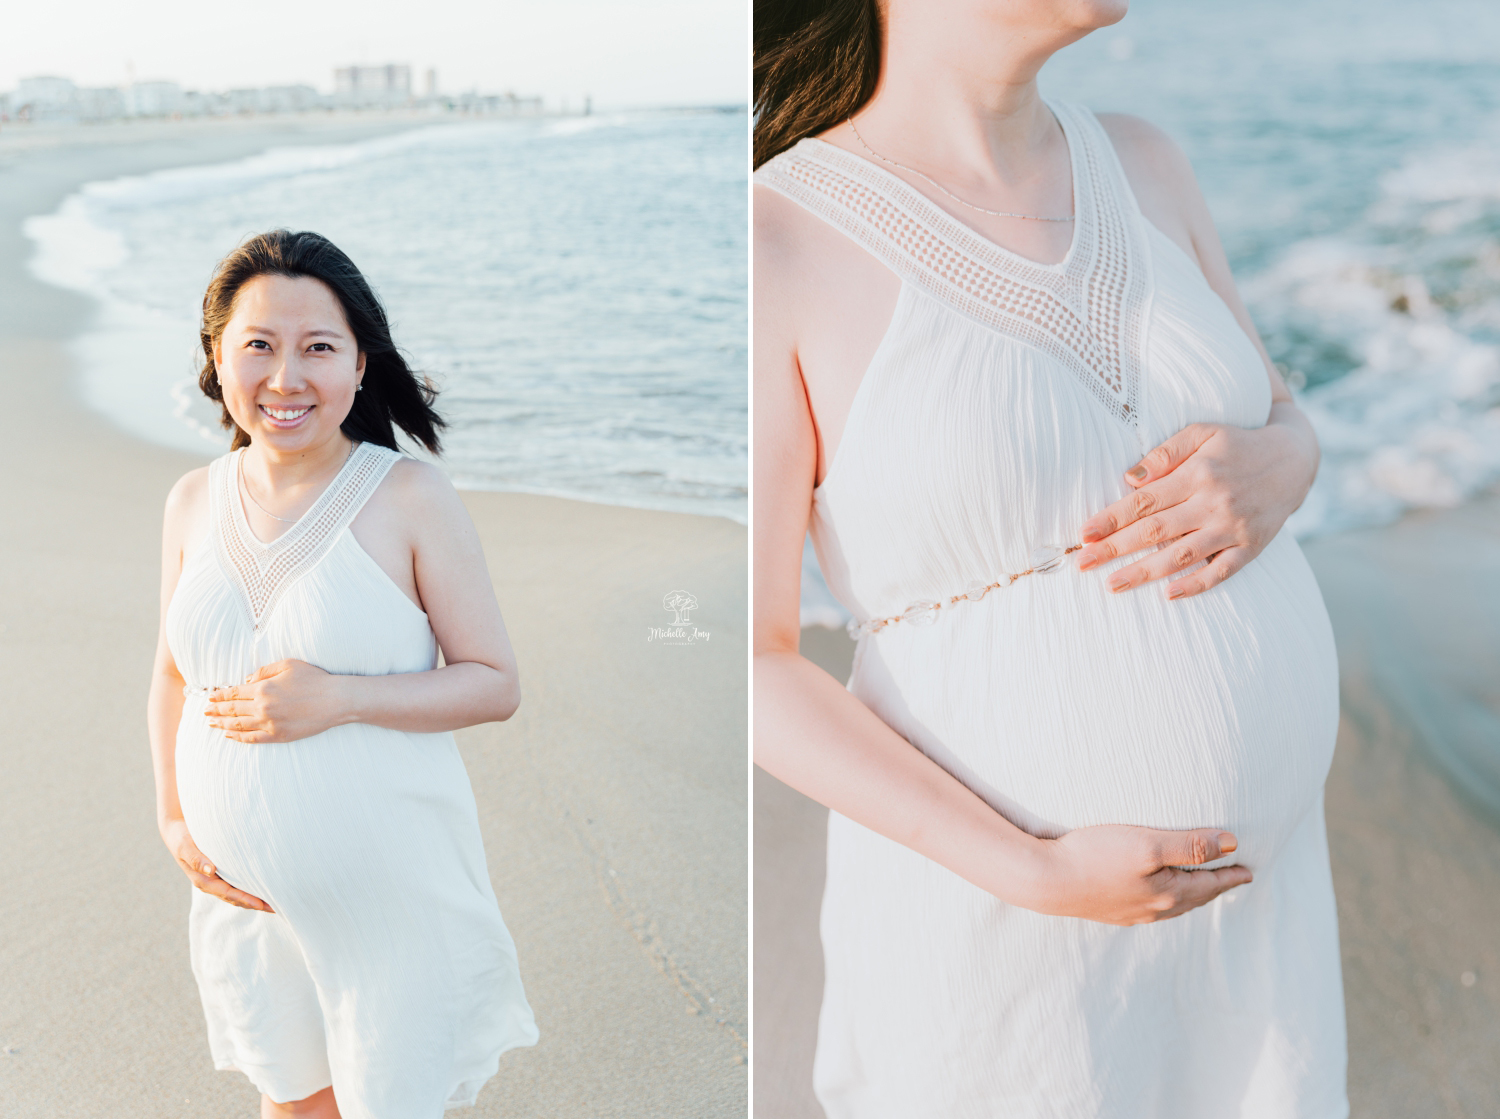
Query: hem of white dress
(479, 1082)
(225, 1065)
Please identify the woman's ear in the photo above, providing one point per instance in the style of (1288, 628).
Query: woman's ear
(359, 366)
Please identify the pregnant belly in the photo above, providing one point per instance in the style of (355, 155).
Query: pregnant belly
(345, 814)
(1066, 706)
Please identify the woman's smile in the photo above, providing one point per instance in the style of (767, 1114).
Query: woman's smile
(286, 417)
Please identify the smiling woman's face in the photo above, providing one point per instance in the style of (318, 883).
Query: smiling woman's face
(288, 363)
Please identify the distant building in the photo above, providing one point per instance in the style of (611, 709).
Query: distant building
(372, 86)
(57, 100)
(45, 92)
(45, 98)
(154, 99)
(103, 103)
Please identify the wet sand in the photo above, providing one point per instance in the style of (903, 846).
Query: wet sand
(1413, 810)
(612, 804)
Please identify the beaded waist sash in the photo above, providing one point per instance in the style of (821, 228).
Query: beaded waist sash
(1048, 557)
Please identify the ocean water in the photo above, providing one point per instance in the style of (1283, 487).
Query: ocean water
(1350, 153)
(575, 286)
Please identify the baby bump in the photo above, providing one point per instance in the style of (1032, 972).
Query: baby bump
(354, 811)
(1065, 706)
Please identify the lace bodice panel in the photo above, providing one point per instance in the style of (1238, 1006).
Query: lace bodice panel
(261, 571)
(1084, 311)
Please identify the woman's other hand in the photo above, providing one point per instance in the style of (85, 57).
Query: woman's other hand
(1124, 875)
(1211, 492)
(280, 702)
(201, 873)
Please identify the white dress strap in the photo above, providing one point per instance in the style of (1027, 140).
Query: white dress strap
(263, 571)
(1085, 311)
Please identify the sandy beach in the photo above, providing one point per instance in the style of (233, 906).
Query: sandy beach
(612, 804)
(1413, 810)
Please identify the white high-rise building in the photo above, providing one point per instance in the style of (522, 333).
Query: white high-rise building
(372, 85)
(154, 99)
(45, 92)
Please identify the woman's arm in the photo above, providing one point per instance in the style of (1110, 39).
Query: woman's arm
(811, 733)
(165, 701)
(422, 519)
(1216, 491)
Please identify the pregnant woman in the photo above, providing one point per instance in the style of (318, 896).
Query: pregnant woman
(347, 944)
(1077, 864)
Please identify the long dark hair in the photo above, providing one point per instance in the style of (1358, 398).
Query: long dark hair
(816, 63)
(393, 396)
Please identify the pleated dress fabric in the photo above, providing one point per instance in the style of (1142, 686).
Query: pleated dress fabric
(1003, 405)
(386, 969)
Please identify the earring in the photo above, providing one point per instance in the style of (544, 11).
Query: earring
(359, 388)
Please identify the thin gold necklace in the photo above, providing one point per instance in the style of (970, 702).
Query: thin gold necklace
(244, 485)
(941, 187)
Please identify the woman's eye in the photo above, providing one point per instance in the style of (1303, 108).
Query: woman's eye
(321, 345)
(260, 343)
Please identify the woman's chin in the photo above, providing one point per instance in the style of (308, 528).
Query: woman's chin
(1095, 14)
(300, 437)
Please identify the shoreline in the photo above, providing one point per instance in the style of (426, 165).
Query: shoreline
(616, 839)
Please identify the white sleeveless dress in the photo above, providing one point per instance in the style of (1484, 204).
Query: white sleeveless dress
(999, 413)
(386, 969)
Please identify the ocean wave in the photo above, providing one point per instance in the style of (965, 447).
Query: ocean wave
(1395, 328)
(577, 293)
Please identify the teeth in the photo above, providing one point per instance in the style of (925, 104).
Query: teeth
(284, 413)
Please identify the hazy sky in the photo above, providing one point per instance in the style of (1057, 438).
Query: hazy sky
(622, 52)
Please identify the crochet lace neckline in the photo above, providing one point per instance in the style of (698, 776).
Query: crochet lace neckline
(1085, 310)
(262, 571)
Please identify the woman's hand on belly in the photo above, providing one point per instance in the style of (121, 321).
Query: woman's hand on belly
(201, 872)
(280, 702)
(1123, 875)
(1212, 492)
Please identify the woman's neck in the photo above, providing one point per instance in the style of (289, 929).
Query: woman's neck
(283, 471)
(958, 94)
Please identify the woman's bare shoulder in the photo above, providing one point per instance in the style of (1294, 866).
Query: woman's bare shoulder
(412, 481)
(191, 486)
(1160, 175)
(185, 518)
(802, 264)
(188, 496)
(421, 494)
(781, 231)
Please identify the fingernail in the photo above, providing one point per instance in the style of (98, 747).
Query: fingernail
(1228, 843)
(1086, 562)
(1118, 584)
(207, 869)
(1175, 592)
(1092, 534)
(1137, 472)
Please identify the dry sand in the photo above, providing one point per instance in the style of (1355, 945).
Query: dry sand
(613, 803)
(1413, 808)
